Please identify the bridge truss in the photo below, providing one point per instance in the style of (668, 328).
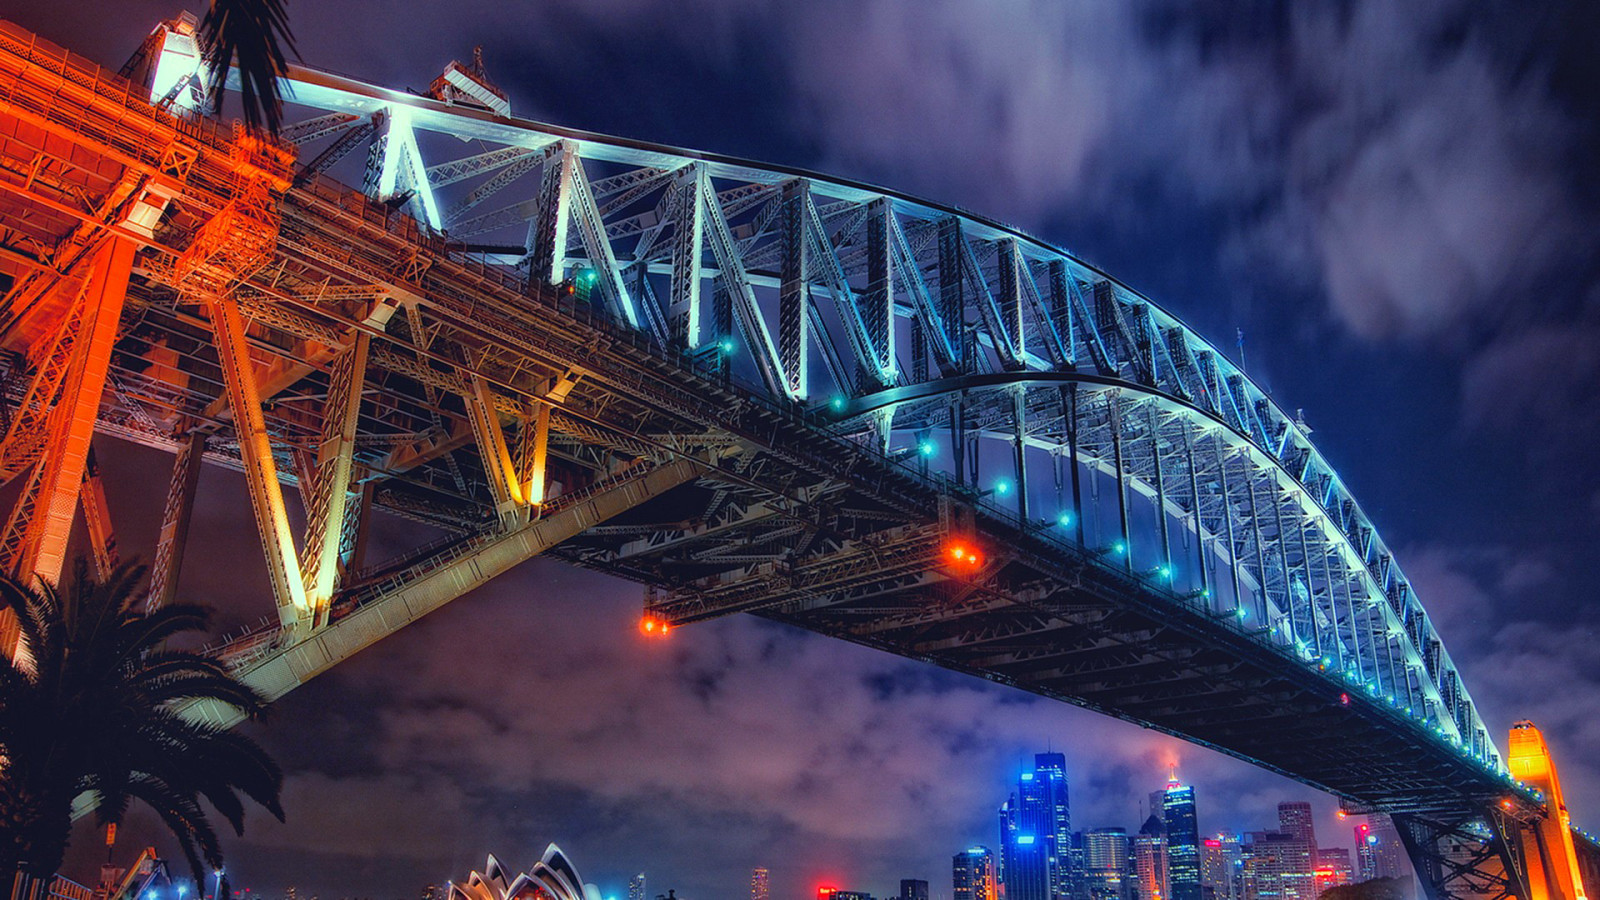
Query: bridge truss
(748, 388)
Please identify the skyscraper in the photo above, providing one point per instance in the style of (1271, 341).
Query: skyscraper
(913, 889)
(1267, 860)
(1220, 876)
(1149, 863)
(1105, 863)
(1378, 850)
(1183, 841)
(1300, 867)
(1035, 833)
(636, 887)
(758, 884)
(973, 875)
(1050, 776)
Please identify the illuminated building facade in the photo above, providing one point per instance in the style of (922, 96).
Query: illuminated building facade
(636, 887)
(1267, 863)
(758, 884)
(1105, 864)
(1149, 863)
(1299, 869)
(1220, 875)
(1036, 833)
(1050, 781)
(973, 875)
(1334, 868)
(913, 889)
(1378, 849)
(1183, 841)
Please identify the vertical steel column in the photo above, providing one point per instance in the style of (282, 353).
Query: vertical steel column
(1350, 613)
(1333, 612)
(175, 517)
(1227, 517)
(951, 310)
(35, 540)
(1263, 607)
(97, 517)
(1161, 491)
(1061, 309)
(1283, 557)
(919, 352)
(1114, 415)
(353, 542)
(1199, 522)
(261, 471)
(551, 219)
(722, 317)
(533, 455)
(877, 307)
(325, 514)
(1070, 404)
(794, 290)
(958, 437)
(688, 247)
(1011, 296)
(1019, 446)
(1311, 593)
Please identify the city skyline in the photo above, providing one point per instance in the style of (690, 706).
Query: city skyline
(404, 767)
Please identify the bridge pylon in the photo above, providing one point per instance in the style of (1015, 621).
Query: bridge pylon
(1520, 845)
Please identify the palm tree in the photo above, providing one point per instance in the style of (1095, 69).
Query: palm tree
(94, 711)
(255, 32)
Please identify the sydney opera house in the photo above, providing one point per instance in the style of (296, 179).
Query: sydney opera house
(553, 877)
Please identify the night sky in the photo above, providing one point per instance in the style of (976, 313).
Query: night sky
(1397, 205)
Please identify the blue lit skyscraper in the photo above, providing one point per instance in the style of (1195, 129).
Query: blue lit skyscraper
(1036, 833)
(1183, 841)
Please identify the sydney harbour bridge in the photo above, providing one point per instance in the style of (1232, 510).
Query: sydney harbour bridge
(745, 387)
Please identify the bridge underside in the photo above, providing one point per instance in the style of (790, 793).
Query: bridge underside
(172, 283)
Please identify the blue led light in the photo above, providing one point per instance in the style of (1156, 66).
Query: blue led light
(837, 403)
(1002, 487)
(1064, 520)
(725, 345)
(1024, 839)
(927, 448)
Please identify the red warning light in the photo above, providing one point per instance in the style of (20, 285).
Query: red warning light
(1344, 699)
(964, 555)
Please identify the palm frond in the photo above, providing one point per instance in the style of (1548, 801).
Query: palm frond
(255, 33)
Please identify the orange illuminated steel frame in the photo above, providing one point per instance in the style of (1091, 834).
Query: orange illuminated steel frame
(1550, 857)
